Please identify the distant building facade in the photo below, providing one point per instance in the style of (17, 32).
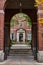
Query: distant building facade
(21, 31)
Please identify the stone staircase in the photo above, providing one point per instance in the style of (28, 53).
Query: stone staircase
(21, 53)
(20, 49)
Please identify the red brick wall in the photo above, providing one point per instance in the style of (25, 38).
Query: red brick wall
(17, 27)
(40, 29)
(1, 31)
(2, 4)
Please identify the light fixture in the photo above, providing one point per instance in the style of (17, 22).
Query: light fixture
(20, 6)
(19, 2)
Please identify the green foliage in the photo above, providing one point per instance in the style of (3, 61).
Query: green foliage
(28, 20)
(28, 42)
(21, 15)
(12, 23)
(12, 42)
(14, 19)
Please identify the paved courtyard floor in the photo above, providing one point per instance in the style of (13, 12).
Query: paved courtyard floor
(20, 60)
(20, 63)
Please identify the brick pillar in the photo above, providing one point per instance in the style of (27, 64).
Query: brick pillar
(40, 33)
(1, 34)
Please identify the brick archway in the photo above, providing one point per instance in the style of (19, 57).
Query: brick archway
(16, 11)
(39, 31)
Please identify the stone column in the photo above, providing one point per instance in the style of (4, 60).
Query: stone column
(17, 37)
(24, 37)
(1, 35)
(40, 33)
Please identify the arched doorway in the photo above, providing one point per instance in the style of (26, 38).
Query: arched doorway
(10, 12)
(21, 25)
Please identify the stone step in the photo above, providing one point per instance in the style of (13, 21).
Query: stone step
(21, 46)
(20, 51)
(20, 57)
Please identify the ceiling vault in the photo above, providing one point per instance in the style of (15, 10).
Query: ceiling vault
(16, 4)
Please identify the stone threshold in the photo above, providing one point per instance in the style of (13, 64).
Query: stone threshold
(7, 62)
